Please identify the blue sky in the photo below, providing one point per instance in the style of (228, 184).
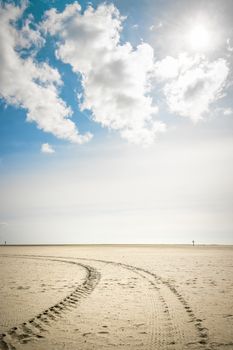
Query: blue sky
(116, 121)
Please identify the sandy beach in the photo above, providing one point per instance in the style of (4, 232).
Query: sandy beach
(116, 297)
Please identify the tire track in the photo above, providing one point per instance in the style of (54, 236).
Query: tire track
(171, 332)
(171, 322)
(33, 328)
(170, 318)
(159, 337)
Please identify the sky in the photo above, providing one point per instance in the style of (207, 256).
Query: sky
(116, 121)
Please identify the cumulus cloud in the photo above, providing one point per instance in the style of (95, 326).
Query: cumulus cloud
(47, 148)
(192, 84)
(29, 84)
(116, 78)
(166, 68)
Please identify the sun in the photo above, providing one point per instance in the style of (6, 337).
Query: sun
(199, 38)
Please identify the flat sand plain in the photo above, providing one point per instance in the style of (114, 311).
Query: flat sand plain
(116, 297)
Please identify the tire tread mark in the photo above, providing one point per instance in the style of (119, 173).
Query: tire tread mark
(33, 328)
(203, 341)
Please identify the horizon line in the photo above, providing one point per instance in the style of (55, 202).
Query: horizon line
(112, 244)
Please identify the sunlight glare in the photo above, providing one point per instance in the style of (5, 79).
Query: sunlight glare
(199, 38)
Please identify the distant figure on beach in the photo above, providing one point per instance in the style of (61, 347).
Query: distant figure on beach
(193, 242)
(5, 242)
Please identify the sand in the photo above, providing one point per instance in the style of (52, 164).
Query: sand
(116, 297)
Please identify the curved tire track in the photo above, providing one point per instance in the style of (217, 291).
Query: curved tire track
(170, 321)
(171, 330)
(33, 328)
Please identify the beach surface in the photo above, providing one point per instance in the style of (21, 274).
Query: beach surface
(116, 297)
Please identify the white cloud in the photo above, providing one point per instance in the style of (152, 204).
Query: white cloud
(192, 84)
(29, 84)
(116, 78)
(167, 68)
(28, 38)
(47, 148)
(155, 27)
